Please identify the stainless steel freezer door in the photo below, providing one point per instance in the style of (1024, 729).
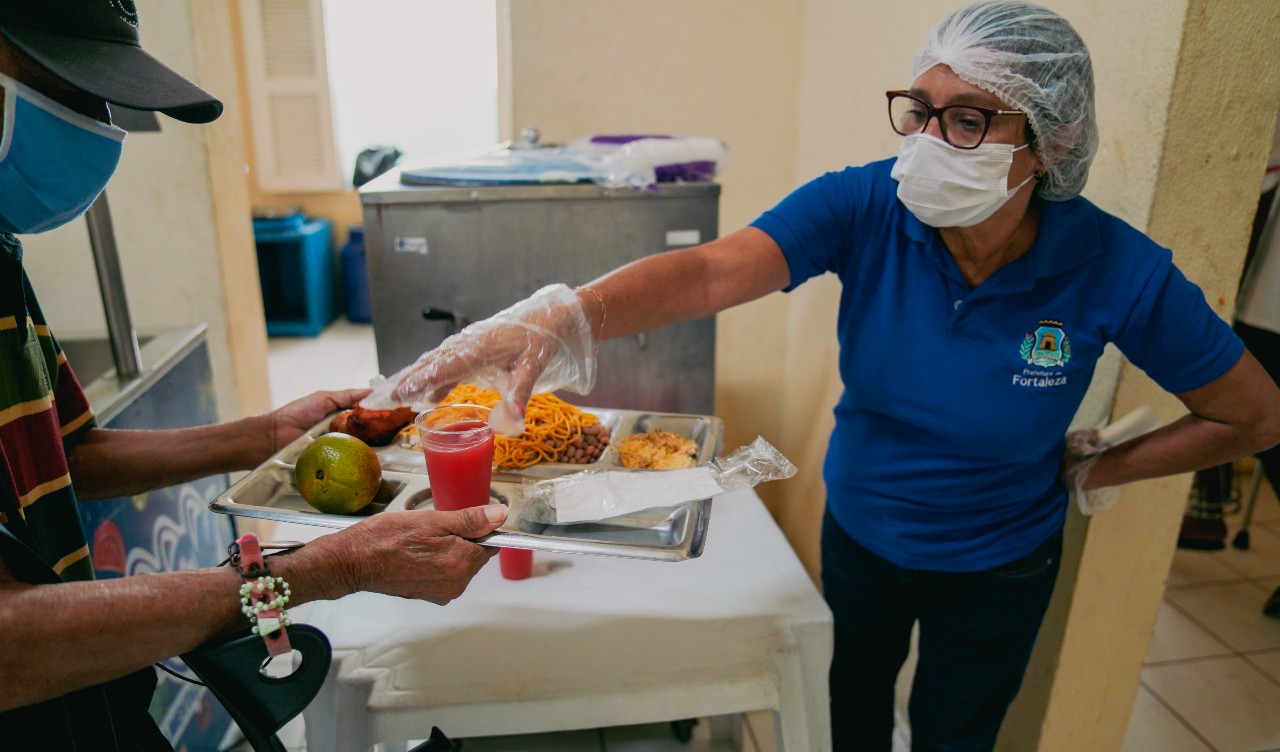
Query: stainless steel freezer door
(468, 253)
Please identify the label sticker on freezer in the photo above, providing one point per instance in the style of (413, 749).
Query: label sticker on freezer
(684, 237)
(411, 245)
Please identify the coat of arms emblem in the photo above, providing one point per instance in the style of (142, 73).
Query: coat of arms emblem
(1048, 346)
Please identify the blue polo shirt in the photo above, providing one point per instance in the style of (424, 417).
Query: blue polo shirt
(950, 432)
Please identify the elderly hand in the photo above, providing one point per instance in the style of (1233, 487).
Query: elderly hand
(423, 555)
(542, 343)
(296, 418)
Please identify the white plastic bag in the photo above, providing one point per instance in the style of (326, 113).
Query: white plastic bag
(593, 495)
(637, 163)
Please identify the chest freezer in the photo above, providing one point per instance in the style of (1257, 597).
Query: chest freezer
(440, 257)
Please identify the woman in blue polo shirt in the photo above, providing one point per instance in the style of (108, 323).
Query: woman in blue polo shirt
(946, 477)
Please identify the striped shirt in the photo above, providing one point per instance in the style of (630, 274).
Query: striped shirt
(43, 412)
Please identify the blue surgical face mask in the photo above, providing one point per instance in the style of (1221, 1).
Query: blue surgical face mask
(53, 161)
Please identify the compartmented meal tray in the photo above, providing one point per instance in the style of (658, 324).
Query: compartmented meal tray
(672, 533)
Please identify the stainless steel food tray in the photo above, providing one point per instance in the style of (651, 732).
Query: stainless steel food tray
(669, 534)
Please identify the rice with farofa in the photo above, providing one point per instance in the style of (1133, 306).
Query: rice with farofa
(657, 450)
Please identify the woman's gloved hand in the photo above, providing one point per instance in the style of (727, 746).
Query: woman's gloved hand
(542, 343)
(1084, 447)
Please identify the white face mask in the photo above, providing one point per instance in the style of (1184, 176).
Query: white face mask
(949, 187)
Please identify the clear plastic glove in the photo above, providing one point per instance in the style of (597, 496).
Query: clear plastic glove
(540, 344)
(1086, 445)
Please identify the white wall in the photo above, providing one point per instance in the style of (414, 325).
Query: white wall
(161, 205)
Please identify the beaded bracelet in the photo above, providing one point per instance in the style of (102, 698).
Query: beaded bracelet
(259, 599)
(264, 606)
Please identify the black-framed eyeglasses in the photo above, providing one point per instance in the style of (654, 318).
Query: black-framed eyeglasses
(964, 126)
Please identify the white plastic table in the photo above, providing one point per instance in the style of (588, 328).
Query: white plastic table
(587, 642)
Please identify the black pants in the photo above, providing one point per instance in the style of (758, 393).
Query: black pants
(976, 634)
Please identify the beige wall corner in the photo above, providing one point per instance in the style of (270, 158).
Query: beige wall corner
(215, 58)
(1215, 135)
(506, 127)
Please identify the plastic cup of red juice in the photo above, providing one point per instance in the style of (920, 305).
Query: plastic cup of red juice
(515, 563)
(458, 444)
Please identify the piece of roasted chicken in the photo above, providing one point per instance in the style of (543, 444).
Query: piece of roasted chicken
(373, 427)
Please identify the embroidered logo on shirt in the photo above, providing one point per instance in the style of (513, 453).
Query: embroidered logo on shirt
(1048, 347)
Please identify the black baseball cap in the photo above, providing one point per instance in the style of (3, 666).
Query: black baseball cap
(93, 45)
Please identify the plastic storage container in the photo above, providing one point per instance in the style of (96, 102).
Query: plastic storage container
(296, 270)
(355, 278)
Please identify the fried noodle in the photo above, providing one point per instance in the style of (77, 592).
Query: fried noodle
(547, 419)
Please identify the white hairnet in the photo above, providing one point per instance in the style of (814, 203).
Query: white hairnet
(1033, 60)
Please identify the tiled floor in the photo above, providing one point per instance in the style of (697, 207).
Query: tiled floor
(1211, 682)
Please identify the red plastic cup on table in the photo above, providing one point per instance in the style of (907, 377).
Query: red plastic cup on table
(515, 563)
(458, 444)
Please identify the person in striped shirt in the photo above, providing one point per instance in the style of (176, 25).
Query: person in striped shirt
(61, 63)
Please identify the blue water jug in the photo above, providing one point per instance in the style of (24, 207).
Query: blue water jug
(355, 278)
